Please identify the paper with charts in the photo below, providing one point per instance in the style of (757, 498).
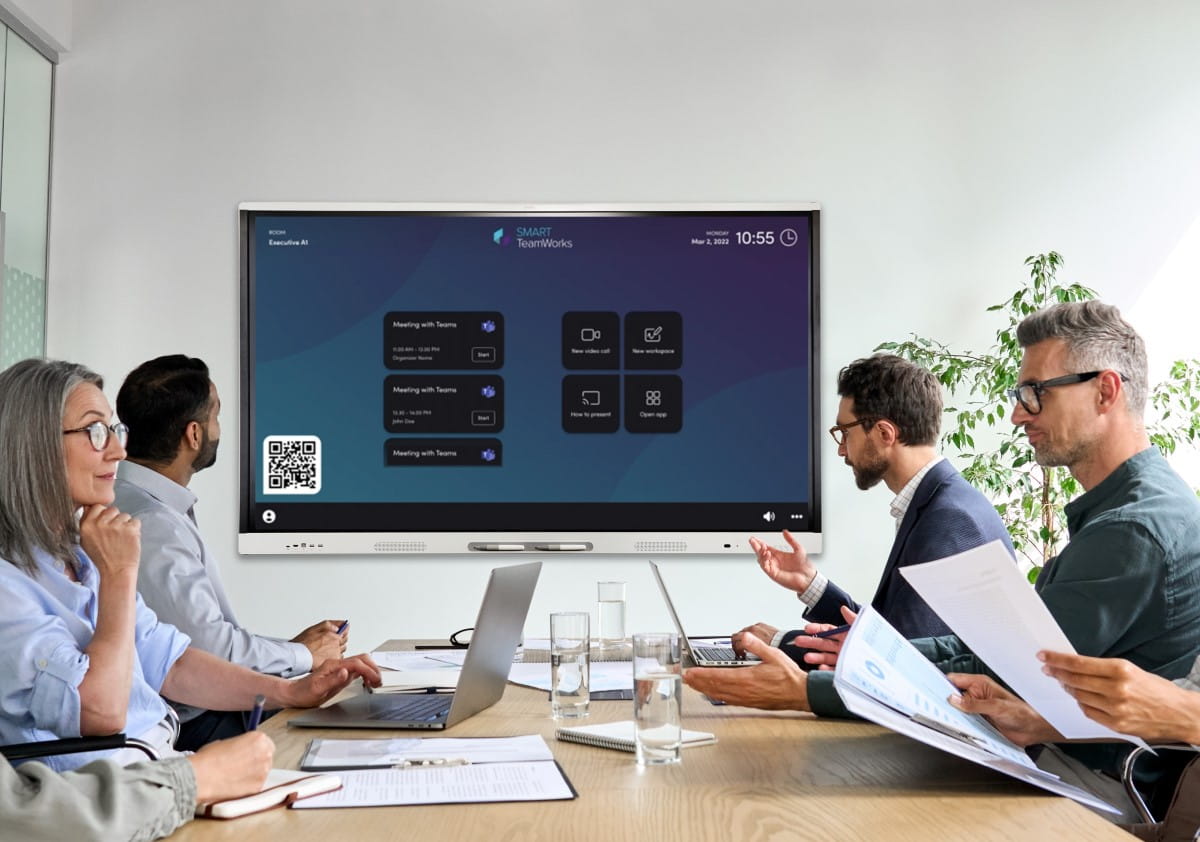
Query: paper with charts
(882, 677)
(986, 600)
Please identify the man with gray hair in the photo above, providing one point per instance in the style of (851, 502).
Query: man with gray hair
(1127, 585)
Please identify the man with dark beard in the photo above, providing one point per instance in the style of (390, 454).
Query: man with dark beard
(887, 428)
(171, 407)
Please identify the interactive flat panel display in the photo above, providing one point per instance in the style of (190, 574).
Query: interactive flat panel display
(614, 379)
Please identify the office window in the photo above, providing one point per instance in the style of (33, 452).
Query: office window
(24, 196)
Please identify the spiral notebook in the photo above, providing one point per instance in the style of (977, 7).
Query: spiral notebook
(619, 736)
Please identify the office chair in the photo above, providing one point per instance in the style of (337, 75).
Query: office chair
(1182, 818)
(74, 745)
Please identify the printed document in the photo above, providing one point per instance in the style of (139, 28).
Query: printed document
(485, 782)
(882, 677)
(985, 599)
(604, 675)
(330, 754)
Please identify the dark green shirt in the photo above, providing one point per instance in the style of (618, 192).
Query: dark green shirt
(1127, 585)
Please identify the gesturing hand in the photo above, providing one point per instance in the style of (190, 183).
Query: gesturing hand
(111, 539)
(791, 570)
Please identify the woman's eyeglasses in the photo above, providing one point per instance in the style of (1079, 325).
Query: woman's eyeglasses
(98, 433)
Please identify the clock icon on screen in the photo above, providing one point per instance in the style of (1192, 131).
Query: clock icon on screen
(788, 237)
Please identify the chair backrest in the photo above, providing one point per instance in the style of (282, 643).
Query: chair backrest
(1181, 821)
(74, 745)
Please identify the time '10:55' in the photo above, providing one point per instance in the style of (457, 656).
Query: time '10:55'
(755, 238)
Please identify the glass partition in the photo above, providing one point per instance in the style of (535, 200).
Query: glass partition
(26, 87)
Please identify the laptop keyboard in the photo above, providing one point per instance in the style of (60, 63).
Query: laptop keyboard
(425, 708)
(714, 653)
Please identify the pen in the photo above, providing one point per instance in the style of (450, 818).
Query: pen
(342, 627)
(427, 762)
(256, 712)
(831, 632)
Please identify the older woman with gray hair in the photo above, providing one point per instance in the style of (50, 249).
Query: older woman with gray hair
(80, 654)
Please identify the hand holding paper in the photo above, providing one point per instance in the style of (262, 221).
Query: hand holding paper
(882, 677)
(1011, 716)
(983, 597)
(1114, 692)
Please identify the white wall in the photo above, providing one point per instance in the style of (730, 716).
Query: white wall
(945, 140)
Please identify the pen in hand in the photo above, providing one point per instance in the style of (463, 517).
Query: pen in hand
(342, 627)
(831, 632)
(256, 712)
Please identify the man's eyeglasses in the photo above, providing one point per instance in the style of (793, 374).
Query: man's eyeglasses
(838, 431)
(98, 432)
(1029, 395)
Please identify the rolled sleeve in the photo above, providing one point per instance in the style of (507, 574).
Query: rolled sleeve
(58, 670)
(159, 645)
(42, 664)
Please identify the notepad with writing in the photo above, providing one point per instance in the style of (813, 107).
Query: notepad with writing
(283, 787)
(620, 736)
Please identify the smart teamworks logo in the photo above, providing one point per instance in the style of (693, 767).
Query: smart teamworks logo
(531, 237)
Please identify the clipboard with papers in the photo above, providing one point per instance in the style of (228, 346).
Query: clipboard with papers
(437, 771)
(881, 677)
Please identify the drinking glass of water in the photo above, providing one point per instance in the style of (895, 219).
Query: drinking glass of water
(610, 599)
(657, 698)
(569, 663)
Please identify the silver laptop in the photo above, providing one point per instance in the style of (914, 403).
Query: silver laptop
(480, 684)
(700, 655)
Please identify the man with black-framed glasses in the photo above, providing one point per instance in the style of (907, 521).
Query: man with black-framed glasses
(886, 430)
(1127, 585)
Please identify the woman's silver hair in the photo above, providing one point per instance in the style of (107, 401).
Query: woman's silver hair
(1096, 338)
(36, 510)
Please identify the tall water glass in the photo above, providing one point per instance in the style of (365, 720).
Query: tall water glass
(610, 601)
(569, 663)
(657, 698)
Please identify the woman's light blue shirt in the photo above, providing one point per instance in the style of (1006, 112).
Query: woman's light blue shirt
(46, 622)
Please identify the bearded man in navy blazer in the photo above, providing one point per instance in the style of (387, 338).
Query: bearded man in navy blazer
(887, 428)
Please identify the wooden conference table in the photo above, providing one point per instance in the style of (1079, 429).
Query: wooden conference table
(770, 776)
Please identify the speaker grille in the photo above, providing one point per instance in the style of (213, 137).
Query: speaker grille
(660, 546)
(399, 546)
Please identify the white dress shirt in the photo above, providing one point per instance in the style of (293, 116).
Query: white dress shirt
(899, 507)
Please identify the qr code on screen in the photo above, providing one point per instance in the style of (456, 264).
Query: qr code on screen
(291, 465)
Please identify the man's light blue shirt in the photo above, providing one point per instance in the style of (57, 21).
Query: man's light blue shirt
(46, 623)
